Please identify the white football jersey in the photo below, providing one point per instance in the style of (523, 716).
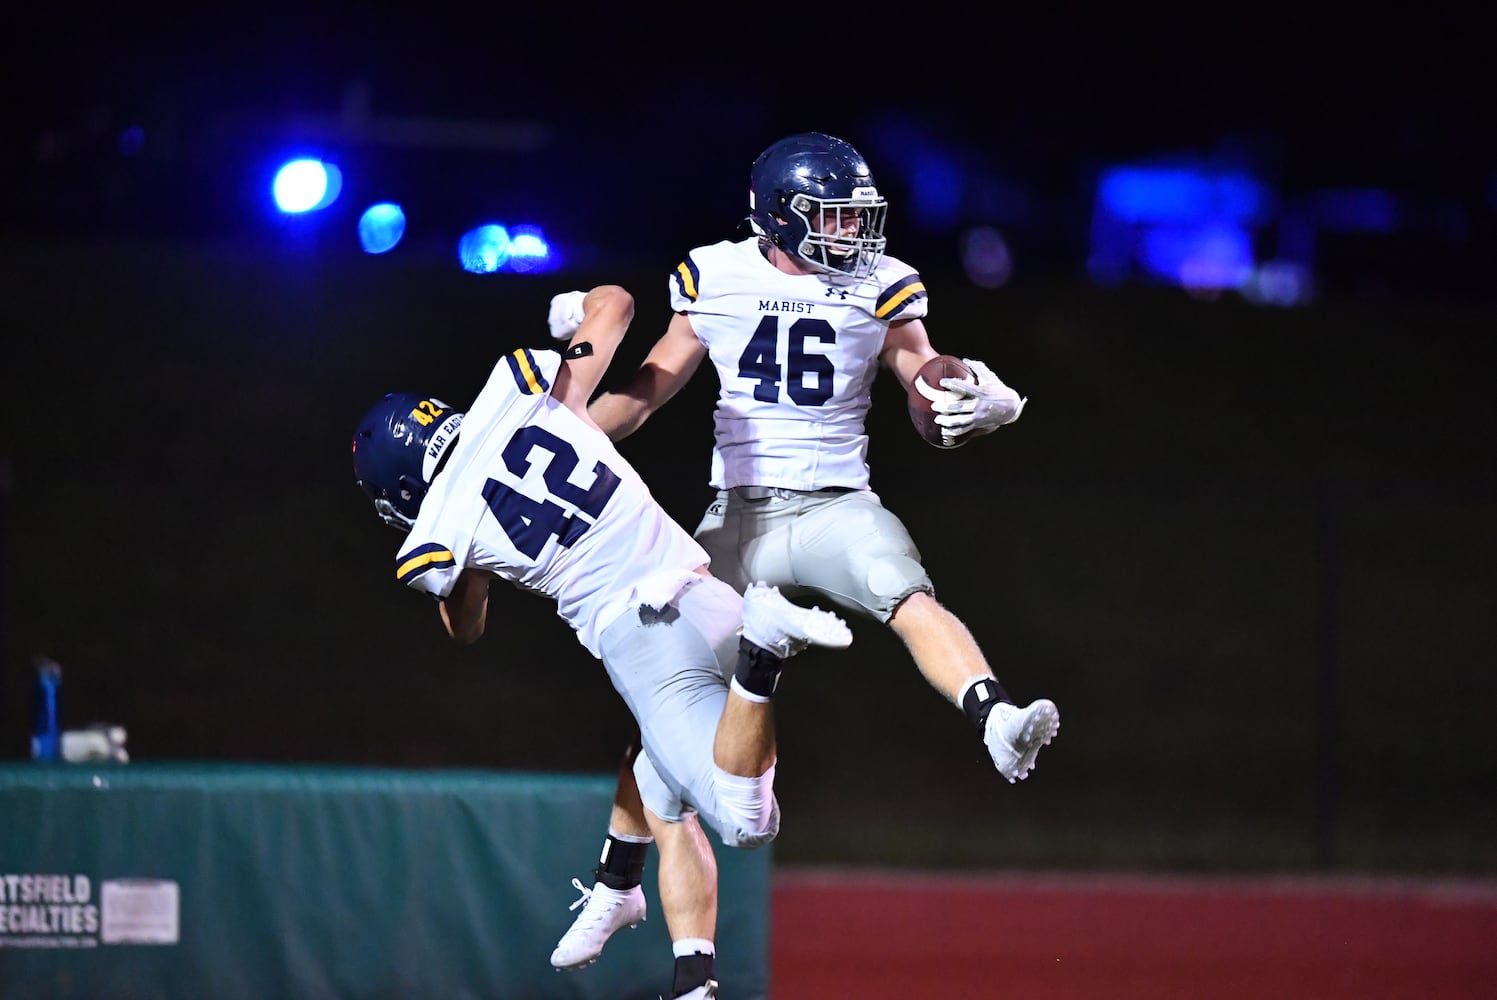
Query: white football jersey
(796, 356)
(536, 496)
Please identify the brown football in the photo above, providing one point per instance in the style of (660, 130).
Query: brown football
(927, 383)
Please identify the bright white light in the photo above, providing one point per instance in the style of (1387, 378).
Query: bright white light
(306, 185)
(529, 250)
(529, 244)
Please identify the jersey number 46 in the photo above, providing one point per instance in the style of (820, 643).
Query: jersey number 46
(758, 361)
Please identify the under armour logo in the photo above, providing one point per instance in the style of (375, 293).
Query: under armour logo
(837, 292)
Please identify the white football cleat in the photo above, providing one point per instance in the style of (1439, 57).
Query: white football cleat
(604, 911)
(772, 622)
(1014, 735)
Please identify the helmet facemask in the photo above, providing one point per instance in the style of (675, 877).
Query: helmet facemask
(826, 222)
(389, 514)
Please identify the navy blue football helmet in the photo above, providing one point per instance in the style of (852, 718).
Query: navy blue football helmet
(796, 180)
(398, 449)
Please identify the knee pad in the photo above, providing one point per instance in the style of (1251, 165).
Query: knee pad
(891, 578)
(747, 813)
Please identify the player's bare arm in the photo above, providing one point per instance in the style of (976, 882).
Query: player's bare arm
(466, 609)
(975, 408)
(669, 366)
(607, 311)
(906, 348)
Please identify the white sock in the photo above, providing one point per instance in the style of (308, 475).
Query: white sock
(629, 838)
(690, 946)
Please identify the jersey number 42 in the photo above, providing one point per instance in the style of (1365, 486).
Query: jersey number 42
(529, 522)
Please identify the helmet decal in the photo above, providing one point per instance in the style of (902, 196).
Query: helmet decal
(398, 448)
(440, 440)
(814, 196)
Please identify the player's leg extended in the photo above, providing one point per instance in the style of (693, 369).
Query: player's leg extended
(670, 679)
(616, 899)
(940, 643)
(949, 658)
(859, 553)
(774, 629)
(745, 743)
(688, 898)
(744, 747)
(628, 813)
(670, 664)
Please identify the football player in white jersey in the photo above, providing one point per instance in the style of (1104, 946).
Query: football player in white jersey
(526, 488)
(797, 319)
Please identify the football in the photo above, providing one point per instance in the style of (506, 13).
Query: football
(926, 389)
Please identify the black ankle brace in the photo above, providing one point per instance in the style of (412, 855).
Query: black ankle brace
(980, 699)
(622, 864)
(691, 971)
(758, 669)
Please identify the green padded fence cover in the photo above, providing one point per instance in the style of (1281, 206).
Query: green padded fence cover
(237, 882)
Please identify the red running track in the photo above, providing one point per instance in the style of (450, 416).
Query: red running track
(889, 936)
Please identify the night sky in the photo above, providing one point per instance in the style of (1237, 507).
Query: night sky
(651, 120)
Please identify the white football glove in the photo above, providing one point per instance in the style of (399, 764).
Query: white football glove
(566, 314)
(976, 407)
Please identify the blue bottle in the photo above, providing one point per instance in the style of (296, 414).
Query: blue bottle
(46, 736)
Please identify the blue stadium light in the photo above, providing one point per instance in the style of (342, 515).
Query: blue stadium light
(1188, 225)
(937, 190)
(306, 185)
(484, 249)
(493, 247)
(1181, 194)
(381, 227)
(1207, 258)
(529, 250)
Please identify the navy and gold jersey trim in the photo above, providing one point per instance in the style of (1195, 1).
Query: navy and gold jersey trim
(898, 295)
(527, 373)
(688, 278)
(422, 559)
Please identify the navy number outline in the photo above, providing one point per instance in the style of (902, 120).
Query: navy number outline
(758, 361)
(529, 522)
